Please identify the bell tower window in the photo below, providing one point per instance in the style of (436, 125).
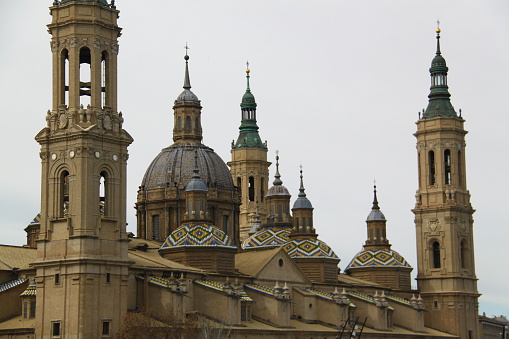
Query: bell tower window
(447, 166)
(239, 186)
(251, 189)
(104, 78)
(85, 76)
(463, 254)
(64, 194)
(436, 254)
(64, 77)
(460, 175)
(431, 161)
(103, 194)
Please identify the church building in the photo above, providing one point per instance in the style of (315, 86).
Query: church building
(219, 246)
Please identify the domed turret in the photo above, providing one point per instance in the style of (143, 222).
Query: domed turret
(278, 203)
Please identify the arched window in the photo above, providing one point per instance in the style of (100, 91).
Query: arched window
(463, 254)
(196, 124)
(447, 166)
(251, 189)
(85, 76)
(431, 161)
(64, 194)
(65, 77)
(460, 175)
(179, 123)
(436, 254)
(104, 78)
(188, 123)
(103, 195)
(239, 186)
(262, 191)
(155, 227)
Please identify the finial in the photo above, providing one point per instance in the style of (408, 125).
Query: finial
(187, 81)
(438, 37)
(301, 189)
(375, 200)
(277, 181)
(248, 89)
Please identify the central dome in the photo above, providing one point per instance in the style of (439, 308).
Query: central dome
(175, 164)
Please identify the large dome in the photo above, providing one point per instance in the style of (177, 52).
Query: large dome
(175, 164)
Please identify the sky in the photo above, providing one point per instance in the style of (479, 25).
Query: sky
(338, 84)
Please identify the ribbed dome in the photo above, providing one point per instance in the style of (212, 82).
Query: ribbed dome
(197, 235)
(309, 248)
(187, 96)
(102, 2)
(278, 190)
(376, 215)
(248, 100)
(175, 164)
(378, 258)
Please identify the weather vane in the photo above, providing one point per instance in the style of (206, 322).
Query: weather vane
(186, 47)
(438, 24)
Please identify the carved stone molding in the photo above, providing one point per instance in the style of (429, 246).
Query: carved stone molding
(434, 227)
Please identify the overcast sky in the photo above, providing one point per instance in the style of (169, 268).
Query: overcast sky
(338, 86)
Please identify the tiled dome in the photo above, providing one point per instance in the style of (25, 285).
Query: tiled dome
(378, 258)
(175, 164)
(309, 248)
(267, 238)
(197, 235)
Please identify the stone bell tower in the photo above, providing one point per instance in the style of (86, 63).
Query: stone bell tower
(82, 265)
(443, 213)
(249, 166)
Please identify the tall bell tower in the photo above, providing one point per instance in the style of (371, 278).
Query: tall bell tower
(249, 166)
(82, 265)
(443, 213)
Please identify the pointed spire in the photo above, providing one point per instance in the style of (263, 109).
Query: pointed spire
(375, 200)
(187, 81)
(301, 189)
(277, 181)
(438, 37)
(302, 201)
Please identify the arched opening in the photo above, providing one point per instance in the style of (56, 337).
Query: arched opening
(447, 167)
(64, 195)
(155, 227)
(64, 58)
(188, 123)
(85, 76)
(431, 161)
(179, 124)
(251, 189)
(262, 190)
(104, 79)
(103, 195)
(463, 254)
(460, 169)
(436, 254)
(239, 186)
(196, 124)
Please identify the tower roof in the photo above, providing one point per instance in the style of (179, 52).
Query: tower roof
(196, 184)
(197, 235)
(439, 98)
(375, 214)
(278, 188)
(248, 136)
(187, 96)
(302, 201)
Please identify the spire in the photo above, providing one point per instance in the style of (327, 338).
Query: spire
(375, 214)
(187, 81)
(375, 200)
(248, 136)
(277, 181)
(187, 96)
(302, 201)
(439, 98)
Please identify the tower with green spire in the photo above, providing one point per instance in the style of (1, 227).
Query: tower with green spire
(443, 214)
(249, 166)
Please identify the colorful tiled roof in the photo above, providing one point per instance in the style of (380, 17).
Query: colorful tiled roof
(11, 284)
(309, 248)
(378, 258)
(271, 237)
(197, 235)
(37, 219)
(31, 291)
(261, 289)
